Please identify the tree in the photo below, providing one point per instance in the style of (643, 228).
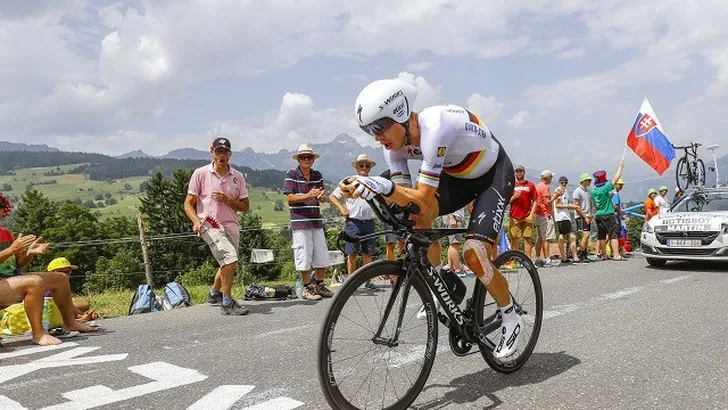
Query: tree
(163, 206)
(99, 197)
(33, 213)
(111, 201)
(89, 204)
(127, 186)
(278, 206)
(7, 187)
(107, 195)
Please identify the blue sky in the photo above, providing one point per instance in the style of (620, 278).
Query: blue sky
(559, 84)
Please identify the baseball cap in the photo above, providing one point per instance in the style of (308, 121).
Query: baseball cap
(546, 173)
(60, 263)
(584, 177)
(563, 178)
(519, 167)
(220, 142)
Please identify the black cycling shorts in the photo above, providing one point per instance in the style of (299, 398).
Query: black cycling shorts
(491, 193)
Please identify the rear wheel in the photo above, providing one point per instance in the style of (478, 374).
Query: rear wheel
(525, 288)
(357, 370)
(699, 172)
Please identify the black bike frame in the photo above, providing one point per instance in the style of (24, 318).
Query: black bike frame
(414, 265)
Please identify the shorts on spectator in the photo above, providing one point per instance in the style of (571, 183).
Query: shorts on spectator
(390, 237)
(582, 226)
(564, 227)
(310, 249)
(545, 227)
(224, 246)
(607, 226)
(520, 228)
(357, 227)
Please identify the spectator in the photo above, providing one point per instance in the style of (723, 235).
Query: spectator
(81, 309)
(304, 188)
(563, 214)
(679, 193)
(454, 221)
(16, 286)
(523, 206)
(544, 218)
(604, 211)
(390, 237)
(359, 218)
(661, 201)
(216, 193)
(585, 213)
(619, 212)
(650, 206)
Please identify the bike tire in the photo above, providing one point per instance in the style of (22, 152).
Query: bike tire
(700, 172)
(327, 379)
(683, 182)
(513, 363)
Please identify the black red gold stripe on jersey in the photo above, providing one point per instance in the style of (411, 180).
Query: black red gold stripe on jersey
(467, 165)
(473, 118)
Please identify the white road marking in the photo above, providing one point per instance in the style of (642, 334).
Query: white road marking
(221, 398)
(677, 279)
(7, 403)
(564, 309)
(35, 349)
(67, 358)
(165, 376)
(279, 331)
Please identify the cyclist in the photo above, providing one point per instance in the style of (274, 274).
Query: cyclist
(461, 162)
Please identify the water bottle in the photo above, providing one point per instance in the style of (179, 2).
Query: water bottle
(46, 313)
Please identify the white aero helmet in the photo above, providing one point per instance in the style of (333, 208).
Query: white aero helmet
(382, 103)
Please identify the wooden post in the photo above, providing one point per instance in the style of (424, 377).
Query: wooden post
(145, 255)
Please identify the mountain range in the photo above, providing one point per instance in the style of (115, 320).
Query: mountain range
(337, 155)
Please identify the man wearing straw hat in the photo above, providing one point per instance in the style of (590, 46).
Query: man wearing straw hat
(359, 218)
(304, 188)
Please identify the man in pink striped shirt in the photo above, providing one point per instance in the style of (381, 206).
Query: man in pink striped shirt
(217, 192)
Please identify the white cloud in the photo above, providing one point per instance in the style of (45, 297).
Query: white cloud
(418, 66)
(488, 108)
(427, 94)
(518, 119)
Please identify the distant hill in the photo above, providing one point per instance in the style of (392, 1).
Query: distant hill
(19, 146)
(135, 154)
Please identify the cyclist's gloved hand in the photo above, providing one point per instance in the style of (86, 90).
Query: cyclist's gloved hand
(368, 187)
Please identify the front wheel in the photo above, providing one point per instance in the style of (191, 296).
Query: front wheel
(682, 174)
(526, 294)
(374, 352)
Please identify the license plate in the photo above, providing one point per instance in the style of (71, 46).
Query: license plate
(684, 242)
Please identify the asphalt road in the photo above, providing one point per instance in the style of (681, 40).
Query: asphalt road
(616, 335)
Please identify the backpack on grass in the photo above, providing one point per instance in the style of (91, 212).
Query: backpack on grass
(143, 301)
(175, 296)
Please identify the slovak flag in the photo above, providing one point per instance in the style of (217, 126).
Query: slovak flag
(648, 141)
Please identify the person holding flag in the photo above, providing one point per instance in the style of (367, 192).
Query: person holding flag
(647, 139)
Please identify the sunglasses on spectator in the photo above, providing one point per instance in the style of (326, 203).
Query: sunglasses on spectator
(305, 157)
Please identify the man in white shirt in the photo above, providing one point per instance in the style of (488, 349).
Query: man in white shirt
(661, 201)
(359, 219)
(563, 211)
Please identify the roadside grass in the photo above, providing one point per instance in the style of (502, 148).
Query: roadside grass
(116, 303)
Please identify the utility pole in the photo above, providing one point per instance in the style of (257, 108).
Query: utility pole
(145, 255)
